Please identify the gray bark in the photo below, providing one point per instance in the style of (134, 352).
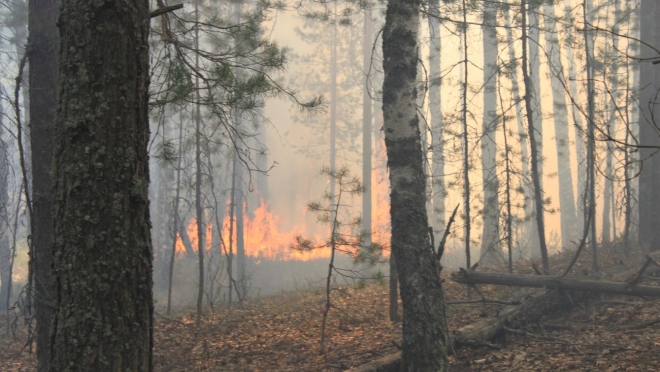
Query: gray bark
(367, 151)
(524, 237)
(533, 92)
(532, 128)
(590, 192)
(199, 211)
(570, 43)
(491, 249)
(437, 141)
(568, 214)
(649, 135)
(424, 335)
(5, 251)
(102, 242)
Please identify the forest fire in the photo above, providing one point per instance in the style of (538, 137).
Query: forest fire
(263, 237)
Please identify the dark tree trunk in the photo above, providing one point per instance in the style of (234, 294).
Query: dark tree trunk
(102, 245)
(424, 334)
(44, 41)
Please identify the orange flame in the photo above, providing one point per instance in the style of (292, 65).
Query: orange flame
(263, 238)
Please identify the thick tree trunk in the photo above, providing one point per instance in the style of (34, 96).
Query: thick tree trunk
(102, 244)
(491, 249)
(44, 38)
(424, 335)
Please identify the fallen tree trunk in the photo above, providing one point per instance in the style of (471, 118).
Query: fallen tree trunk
(471, 277)
(533, 306)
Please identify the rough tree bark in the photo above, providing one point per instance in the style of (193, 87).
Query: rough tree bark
(102, 244)
(44, 44)
(424, 335)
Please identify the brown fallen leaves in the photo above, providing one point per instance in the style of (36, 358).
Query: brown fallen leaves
(281, 333)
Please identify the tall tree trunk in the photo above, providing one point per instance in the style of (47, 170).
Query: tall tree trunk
(535, 150)
(367, 152)
(333, 107)
(649, 179)
(5, 251)
(491, 249)
(466, 147)
(609, 205)
(568, 214)
(534, 67)
(570, 44)
(507, 185)
(524, 238)
(437, 135)
(240, 234)
(591, 140)
(102, 243)
(175, 230)
(199, 211)
(44, 38)
(424, 334)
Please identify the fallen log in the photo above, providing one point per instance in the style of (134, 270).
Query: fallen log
(533, 306)
(554, 282)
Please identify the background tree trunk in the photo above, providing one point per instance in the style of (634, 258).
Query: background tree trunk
(535, 148)
(437, 136)
(5, 251)
(491, 249)
(367, 152)
(649, 179)
(568, 215)
(102, 244)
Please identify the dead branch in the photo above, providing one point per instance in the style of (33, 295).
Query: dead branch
(580, 247)
(441, 246)
(165, 9)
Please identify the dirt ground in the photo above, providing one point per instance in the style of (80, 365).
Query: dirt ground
(282, 333)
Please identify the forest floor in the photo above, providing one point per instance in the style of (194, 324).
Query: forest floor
(282, 332)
